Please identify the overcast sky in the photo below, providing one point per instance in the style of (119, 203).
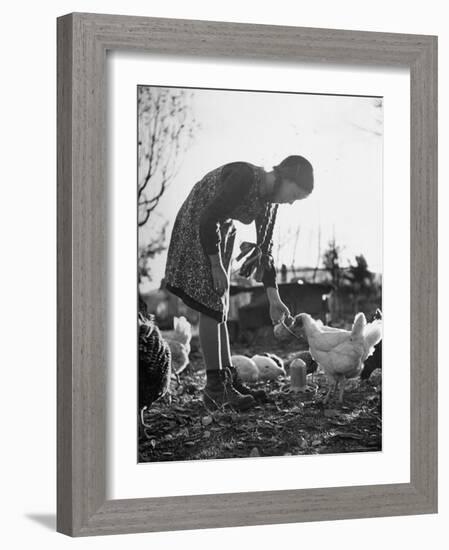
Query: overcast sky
(342, 136)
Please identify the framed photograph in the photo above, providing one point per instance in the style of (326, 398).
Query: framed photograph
(247, 274)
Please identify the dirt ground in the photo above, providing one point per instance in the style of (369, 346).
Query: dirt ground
(288, 424)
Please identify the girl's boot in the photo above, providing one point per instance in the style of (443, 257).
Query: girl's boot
(219, 392)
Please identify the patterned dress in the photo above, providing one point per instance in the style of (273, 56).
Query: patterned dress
(204, 225)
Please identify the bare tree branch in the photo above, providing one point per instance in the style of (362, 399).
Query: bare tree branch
(166, 129)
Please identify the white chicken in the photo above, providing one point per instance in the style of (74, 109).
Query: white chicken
(339, 352)
(179, 342)
(269, 368)
(275, 358)
(246, 368)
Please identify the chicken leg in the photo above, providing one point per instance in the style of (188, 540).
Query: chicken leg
(342, 386)
(330, 391)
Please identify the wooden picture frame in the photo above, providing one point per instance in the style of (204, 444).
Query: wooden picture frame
(83, 40)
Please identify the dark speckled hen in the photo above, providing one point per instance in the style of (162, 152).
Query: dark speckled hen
(375, 360)
(372, 363)
(154, 360)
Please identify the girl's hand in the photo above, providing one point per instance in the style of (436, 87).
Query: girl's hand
(220, 279)
(278, 311)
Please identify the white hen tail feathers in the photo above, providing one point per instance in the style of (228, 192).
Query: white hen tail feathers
(358, 326)
(370, 333)
(373, 333)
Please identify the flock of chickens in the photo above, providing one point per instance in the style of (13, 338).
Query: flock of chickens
(341, 354)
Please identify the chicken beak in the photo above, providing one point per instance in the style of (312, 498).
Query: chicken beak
(298, 322)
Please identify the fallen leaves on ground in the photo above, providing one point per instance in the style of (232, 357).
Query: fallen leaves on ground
(288, 424)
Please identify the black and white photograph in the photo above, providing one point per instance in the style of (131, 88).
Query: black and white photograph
(259, 282)
(222, 223)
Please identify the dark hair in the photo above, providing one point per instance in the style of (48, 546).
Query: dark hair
(294, 168)
(261, 260)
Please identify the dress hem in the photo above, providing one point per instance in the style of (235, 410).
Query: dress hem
(192, 303)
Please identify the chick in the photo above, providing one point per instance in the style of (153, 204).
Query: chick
(275, 358)
(246, 368)
(268, 368)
